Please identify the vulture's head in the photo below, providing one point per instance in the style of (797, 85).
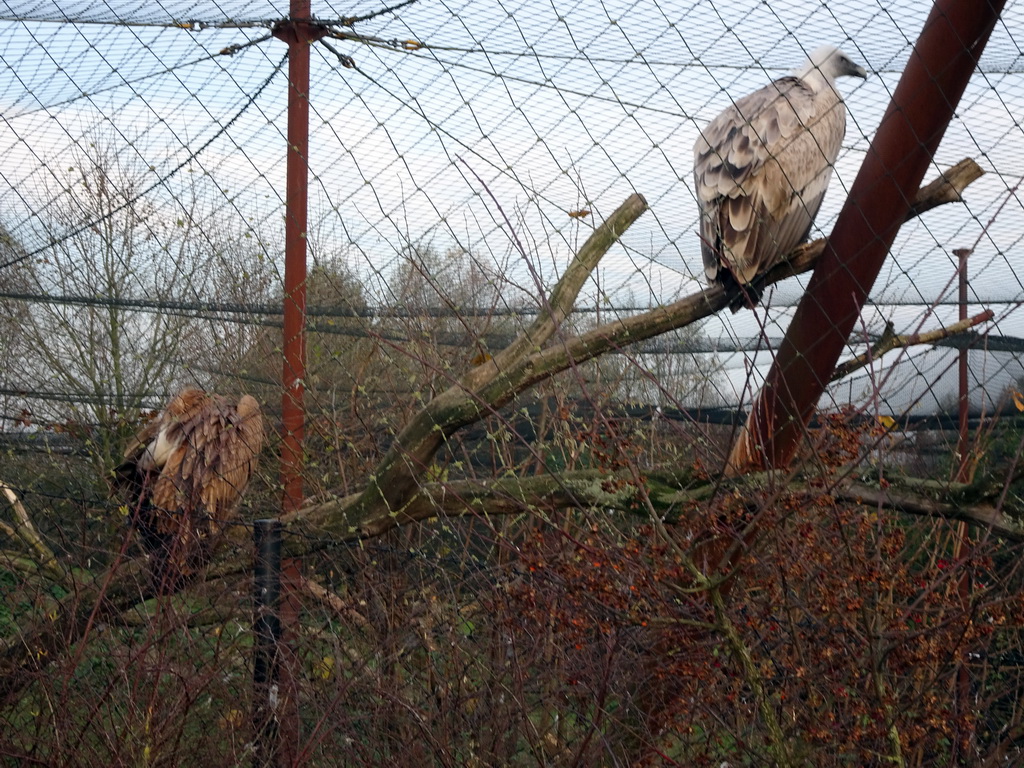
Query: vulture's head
(829, 62)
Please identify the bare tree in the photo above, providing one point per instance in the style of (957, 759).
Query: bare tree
(93, 353)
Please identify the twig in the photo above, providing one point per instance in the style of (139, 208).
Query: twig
(28, 534)
(336, 604)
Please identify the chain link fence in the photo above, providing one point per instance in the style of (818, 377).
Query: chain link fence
(546, 567)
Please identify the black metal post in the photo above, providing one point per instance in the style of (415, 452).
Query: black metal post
(267, 637)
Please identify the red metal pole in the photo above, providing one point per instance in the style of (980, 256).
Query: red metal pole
(939, 69)
(298, 32)
(961, 542)
(962, 444)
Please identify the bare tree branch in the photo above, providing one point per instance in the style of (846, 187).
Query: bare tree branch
(527, 362)
(488, 386)
(668, 492)
(890, 341)
(26, 531)
(543, 364)
(983, 515)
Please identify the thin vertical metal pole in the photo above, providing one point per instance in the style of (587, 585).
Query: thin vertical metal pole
(267, 638)
(298, 32)
(962, 443)
(961, 542)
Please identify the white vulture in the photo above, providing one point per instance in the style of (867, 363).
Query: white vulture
(761, 169)
(183, 476)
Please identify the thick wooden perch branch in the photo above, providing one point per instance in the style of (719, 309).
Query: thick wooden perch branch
(509, 495)
(983, 514)
(670, 494)
(593, 488)
(619, 333)
(527, 362)
(667, 492)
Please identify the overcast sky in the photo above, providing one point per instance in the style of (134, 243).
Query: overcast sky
(518, 111)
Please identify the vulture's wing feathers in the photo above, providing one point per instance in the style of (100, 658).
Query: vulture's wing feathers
(737, 144)
(762, 166)
(761, 170)
(139, 442)
(128, 476)
(219, 447)
(234, 439)
(190, 467)
(172, 452)
(150, 448)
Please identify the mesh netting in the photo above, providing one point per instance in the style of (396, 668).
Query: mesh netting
(460, 154)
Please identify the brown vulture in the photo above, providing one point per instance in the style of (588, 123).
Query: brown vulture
(761, 169)
(183, 476)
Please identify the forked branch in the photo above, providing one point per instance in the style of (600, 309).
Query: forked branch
(530, 359)
(890, 340)
(486, 387)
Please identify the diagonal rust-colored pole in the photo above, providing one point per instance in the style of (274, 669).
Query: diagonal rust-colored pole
(940, 66)
(298, 31)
